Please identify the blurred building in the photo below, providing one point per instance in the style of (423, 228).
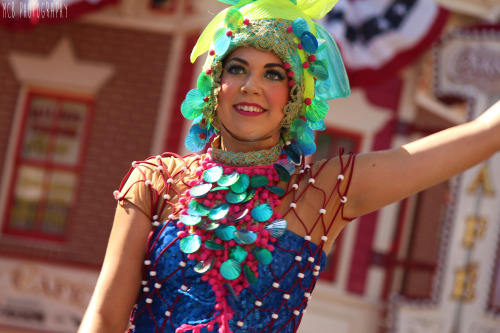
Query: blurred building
(88, 87)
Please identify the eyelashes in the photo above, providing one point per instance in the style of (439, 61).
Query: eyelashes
(272, 74)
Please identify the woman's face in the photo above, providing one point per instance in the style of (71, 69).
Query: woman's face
(254, 91)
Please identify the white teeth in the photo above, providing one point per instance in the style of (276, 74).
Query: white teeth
(249, 108)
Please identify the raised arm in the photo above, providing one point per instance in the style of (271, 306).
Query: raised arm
(120, 278)
(381, 178)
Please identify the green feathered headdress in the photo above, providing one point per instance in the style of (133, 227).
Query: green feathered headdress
(308, 51)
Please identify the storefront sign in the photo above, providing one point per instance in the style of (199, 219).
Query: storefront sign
(42, 296)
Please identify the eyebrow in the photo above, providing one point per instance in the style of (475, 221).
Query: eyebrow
(243, 61)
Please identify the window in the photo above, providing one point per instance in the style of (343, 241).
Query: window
(422, 253)
(328, 143)
(47, 164)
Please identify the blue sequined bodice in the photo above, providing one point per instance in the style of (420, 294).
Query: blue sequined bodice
(173, 293)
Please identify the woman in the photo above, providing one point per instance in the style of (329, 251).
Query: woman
(234, 240)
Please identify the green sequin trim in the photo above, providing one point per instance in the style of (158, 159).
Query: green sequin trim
(253, 158)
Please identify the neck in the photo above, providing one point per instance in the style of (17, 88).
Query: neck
(233, 143)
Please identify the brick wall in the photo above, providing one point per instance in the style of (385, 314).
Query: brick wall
(121, 131)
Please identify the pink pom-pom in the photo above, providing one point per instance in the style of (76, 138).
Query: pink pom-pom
(208, 71)
(305, 65)
(291, 73)
(299, 46)
(246, 21)
(307, 101)
(180, 225)
(291, 83)
(289, 29)
(211, 52)
(286, 65)
(270, 247)
(181, 234)
(312, 57)
(229, 33)
(193, 182)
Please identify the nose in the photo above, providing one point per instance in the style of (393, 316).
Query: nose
(253, 85)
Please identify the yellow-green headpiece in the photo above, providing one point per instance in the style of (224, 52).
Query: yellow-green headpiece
(308, 52)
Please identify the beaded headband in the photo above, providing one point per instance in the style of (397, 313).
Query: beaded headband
(309, 54)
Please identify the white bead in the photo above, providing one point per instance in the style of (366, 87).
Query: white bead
(158, 157)
(181, 207)
(147, 262)
(296, 312)
(170, 181)
(258, 303)
(307, 237)
(239, 323)
(171, 217)
(152, 273)
(295, 186)
(302, 171)
(307, 167)
(322, 211)
(116, 193)
(324, 238)
(317, 267)
(307, 295)
(288, 143)
(343, 199)
(184, 288)
(143, 282)
(157, 285)
(132, 327)
(276, 285)
(147, 182)
(134, 164)
(145, 289)
(316, 273)
(311, 259)
(340, 177)
(167, 314)
(182, 264)
(155, 217)
(286, 296)
(300, 275)
(304, 312)
(298, 258)
(275, 316)
(184, 169)
(166, 197)
(149, 300)
(156, 224)
(293, 205)
(159, 168)
(311, 181)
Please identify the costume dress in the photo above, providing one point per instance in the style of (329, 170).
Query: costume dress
(176, 298)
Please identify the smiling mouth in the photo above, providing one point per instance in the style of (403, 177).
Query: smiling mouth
(249, 108)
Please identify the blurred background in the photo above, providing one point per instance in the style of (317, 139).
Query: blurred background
(87, 87)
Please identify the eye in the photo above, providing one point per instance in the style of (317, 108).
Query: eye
(275, 75)
(235, 69)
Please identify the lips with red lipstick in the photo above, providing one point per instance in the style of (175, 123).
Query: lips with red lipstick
(249, 109)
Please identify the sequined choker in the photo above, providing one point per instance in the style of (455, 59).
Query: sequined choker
(253, 158)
